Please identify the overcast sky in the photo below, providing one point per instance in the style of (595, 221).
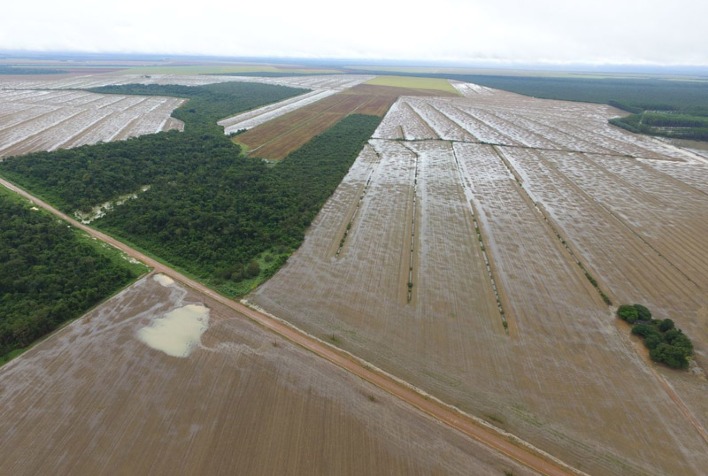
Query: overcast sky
(529, 31)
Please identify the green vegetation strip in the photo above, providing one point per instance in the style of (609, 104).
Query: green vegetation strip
(49, 274)
(13, 70)
(227, 220)
(666, 343)
(437, 84)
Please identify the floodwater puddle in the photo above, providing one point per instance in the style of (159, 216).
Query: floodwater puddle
(177, 332)
(164, 280)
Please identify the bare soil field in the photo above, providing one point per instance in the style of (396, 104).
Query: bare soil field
(45, 120)
(99, 398)
(47, 113)
(86, 81)
(451, 257)
(256, 117)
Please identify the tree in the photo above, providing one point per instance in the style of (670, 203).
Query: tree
(253, 269)
(645, 330)
(628, 312)
(672, 356)
(643, 313)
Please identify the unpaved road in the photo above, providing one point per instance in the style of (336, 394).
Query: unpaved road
(505, 444)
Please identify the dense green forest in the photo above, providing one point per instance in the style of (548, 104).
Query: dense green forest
(228, 220)
(672, 123)
(49, 273)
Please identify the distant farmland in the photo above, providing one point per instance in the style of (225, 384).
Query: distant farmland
(32, 121)
(443, 86)
(275, 139)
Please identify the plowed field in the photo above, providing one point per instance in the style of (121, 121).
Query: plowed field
(275, 139)
(39, 120)
(95, 399)
(454, 256)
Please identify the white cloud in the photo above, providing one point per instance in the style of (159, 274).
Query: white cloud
(613, 31)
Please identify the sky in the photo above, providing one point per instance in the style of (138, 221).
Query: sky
(646, 32)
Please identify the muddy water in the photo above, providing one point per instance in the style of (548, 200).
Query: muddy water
(178, 331)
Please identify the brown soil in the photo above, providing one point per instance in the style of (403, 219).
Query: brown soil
(93, 399)
(559, 186)
(275, 139)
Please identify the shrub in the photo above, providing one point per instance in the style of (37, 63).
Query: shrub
(643, 313)
(628, 313)
(652, 341)
(670, 355)
(253, 269)
(666, 343)
(645, 330)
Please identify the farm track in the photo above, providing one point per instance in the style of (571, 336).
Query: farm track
(502, 442)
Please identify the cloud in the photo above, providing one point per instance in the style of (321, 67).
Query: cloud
(506, 30)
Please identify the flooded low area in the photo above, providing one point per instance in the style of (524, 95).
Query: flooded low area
(178, 331)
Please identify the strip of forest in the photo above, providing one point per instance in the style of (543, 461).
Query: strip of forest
(227, 220)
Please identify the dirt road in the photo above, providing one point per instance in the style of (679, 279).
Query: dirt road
(504, 443)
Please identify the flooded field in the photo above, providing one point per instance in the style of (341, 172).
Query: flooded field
(45, 114)
(466, 252)
(95, 399)
(455, 252)
(45, 120)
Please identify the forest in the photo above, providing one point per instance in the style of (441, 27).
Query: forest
(228, 220)
(49, 274)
